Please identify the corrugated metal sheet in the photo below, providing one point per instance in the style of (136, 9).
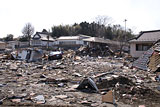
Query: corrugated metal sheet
(142, 62)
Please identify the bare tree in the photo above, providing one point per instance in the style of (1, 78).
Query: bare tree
(103, 20)
(28, 31)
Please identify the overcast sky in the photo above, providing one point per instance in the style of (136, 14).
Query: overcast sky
(141, 15)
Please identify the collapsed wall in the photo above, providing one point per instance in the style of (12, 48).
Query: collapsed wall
(150, 60)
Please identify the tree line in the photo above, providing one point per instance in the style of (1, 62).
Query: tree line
(101, 27)
(113, 32)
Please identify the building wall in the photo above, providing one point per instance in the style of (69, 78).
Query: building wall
(12, 44)
(68, 42)
(45, 43)
(40, 43)
(36, 43)
(2, 46)
(23, 44)
(133, 51)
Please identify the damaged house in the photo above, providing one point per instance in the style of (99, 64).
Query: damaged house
(143, 42)
(71, 42)
(95, 41)
(100, 42)
(75, 42)
(42, 39)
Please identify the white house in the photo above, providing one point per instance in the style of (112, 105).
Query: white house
(143, 42)
(70, 41)
(74, 42)
(42, 39)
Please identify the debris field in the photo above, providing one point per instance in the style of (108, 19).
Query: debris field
(77, 80)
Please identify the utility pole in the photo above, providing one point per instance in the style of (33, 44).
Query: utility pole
(48, 43)
(48, 39)
(125, 20)
(123, 40)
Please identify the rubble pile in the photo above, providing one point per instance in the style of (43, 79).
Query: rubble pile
(76, 81)
(94, 52)
(149, 60)
(135, 94)
(129, 92)
(142, 62)
(106, 84)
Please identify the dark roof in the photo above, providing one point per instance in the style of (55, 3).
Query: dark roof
(43, 36)
(147, 36)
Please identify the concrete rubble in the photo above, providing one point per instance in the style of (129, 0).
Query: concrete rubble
(60, 82)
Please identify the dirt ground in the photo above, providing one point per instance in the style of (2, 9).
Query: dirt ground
(54, 83)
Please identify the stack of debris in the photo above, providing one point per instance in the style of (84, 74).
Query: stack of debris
(94, 52)
(142, 62)
(71, 80)
(155, 58)
(150, 59)
(69, 54)
(54, 55)
(27, 54)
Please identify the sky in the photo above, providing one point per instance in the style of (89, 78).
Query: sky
(141, 15)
